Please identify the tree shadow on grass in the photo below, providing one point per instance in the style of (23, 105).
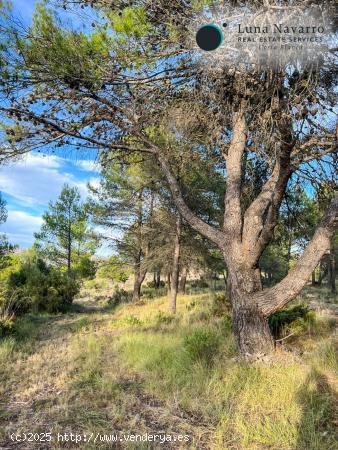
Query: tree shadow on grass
(318, 427)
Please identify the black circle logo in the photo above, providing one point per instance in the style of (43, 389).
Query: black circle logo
(209, 37)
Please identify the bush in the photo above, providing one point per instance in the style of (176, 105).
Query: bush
(199, 284)
(6, 326)
(130, 320)
(40, 288)
(152, 293)
(153, 284)
(202, 345)
(164, 318)
(119, 296)
(296, 317)
(86, 268)
(220, 305)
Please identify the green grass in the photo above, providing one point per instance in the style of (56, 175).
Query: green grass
(138, 369)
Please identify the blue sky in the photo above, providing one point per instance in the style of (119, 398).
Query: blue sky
(31, 183)
(23, 9)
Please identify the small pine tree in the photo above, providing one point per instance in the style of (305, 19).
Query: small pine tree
(65, 237)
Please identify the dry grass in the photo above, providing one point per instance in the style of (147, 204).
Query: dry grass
(128, 371)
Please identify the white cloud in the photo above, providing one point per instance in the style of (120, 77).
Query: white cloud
(31, 184)
(20, 227)
(88, 165)
(37, 179)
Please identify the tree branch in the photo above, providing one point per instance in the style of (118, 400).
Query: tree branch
(232, 203)
(271, 300)
(216, 236)
(257, 231)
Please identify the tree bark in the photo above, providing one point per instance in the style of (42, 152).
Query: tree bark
(158, 279)
(69, 245)
(169, 283)
(175, 266)
(138, 280)
(183, 280)
(251, 328)
(332, 272)
(140, 273)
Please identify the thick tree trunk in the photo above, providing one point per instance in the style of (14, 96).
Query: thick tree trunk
(175, 266)
(251, 328)
(183, 280)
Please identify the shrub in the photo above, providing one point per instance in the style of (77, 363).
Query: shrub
(199, 284)
(153, 284)
(152, 293)
(114, 270)
(164, 318)
(297, 317)
(8, 308)
(226, 324)
(86, 267)
(119, 296)
(220, 305)
(6, 326)
(130, 320)
(40, 288)
(202, 345)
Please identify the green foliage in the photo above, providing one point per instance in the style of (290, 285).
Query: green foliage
(6, 326)
(199, 5)
(114, 270)
(75, 58)
(220, 305)
(292, 318)
(85, 267)
(41, 288)
(132, 22)
(202, 345)
(151, 293)
(164, 318)
(119, 296)
(130, 320)
(5, 247)
(199, 284)
(65, 238)
(10, 306)
(153, 284)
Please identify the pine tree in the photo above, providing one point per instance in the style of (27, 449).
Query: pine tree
(65, 236)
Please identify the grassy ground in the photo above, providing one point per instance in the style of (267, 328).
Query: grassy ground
(138, 370)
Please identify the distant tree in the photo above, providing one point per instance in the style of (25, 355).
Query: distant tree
(123, 203)
(5, 247)
(65, 237)
(114, 269)
(325, 193)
